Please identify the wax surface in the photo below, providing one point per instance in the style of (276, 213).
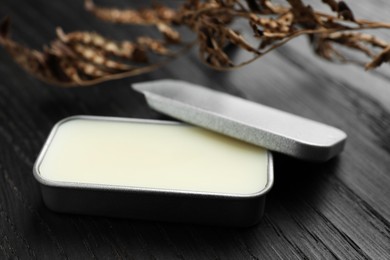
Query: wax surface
(150, 155)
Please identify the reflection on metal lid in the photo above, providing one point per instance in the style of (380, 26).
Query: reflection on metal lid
(248, 121)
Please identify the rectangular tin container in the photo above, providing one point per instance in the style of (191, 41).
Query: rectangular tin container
(148, 203)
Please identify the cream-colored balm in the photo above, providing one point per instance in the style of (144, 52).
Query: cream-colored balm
(152, 155)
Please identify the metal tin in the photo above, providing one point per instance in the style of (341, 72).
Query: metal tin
(149, 203)
(248, 121)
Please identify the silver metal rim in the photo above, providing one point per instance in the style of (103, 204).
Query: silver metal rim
(88, 186)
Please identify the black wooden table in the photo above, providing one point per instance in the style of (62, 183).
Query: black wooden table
(339, 209)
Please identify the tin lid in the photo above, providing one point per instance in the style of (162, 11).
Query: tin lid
(245, 120)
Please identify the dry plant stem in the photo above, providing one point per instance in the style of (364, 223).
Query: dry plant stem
(283, 42)
(384, 56)
(87, 58)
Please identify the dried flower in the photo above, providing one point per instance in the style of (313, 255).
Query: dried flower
(86, 58)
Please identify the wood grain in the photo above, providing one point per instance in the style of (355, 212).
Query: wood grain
(336, 210)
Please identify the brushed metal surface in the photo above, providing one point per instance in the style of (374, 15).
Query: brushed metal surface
(248, 121)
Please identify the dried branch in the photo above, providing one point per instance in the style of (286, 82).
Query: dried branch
(147, 16)
(86, 58)
(384, 56)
